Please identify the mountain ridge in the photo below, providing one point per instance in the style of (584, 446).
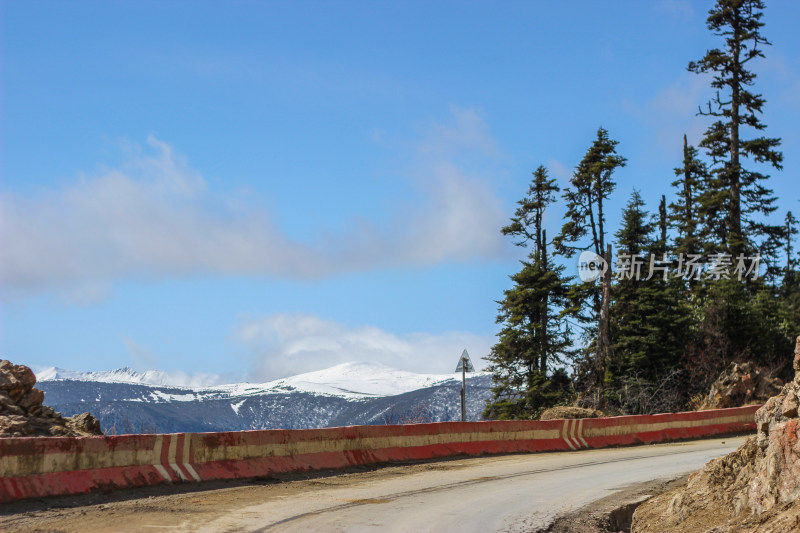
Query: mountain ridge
(346, 394)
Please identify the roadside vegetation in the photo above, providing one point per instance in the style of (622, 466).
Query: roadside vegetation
(706, 278)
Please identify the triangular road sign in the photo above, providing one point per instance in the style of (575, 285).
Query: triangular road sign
(465, 360)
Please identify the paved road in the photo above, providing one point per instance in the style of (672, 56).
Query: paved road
(509, 493)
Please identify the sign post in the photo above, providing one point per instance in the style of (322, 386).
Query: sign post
(464, 366)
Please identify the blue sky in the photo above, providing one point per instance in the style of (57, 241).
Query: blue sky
(247, 190)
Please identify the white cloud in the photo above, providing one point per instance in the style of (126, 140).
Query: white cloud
(179, 378)
(141, 355)
(467, 131)
(147, 360)
(288, 344)
(155, 217)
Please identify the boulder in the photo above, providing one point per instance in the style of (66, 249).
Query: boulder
(22, 412)
(84, 423)
(740, 384)
(15, 377)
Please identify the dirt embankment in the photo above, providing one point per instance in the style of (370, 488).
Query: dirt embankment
(756, 488)
(739, 384)
(613, 513)
(22, 413)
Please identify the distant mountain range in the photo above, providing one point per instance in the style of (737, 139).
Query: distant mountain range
(127, 401)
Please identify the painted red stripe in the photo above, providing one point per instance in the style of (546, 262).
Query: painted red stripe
(179, 447)
(164, 458)
(79, 482)
(263, 466)
(179, 457)
(15, 489)
(165, 449)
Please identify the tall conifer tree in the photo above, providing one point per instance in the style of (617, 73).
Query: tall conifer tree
(790, 287)
(743, 315)
(533, 340)
(685, 212)
(735, 193)
(591, 185)
(648, 317)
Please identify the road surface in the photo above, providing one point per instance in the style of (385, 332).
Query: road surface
(502, 493)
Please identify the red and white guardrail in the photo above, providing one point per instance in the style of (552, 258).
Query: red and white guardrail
(32, 467)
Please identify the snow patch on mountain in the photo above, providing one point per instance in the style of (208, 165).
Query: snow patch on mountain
(236, 406)
(348, 380)
(360, 379)
(129, 375)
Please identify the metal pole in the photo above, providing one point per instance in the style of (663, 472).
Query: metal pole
(463, 390)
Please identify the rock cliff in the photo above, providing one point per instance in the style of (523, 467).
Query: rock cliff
(22, 413)
(755, 488)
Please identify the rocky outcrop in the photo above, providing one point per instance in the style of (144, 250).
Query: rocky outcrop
(740, 384)
(778, 434)
(755, 488)
(566, 411)
(23, 414)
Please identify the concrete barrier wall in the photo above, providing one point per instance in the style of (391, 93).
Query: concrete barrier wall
(32, 467)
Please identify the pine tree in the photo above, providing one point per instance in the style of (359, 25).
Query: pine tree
(591, 185)
(635, 235)
(685, 212)
(741, 318)
(634, 238)
(527, 224)
(790, 287)
(661, 245)
(648, 316)
(789, 232)
(532, 341)
(735, 194)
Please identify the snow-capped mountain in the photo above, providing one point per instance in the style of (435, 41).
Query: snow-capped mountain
(128, 375)
(350, 393)
(120, 375)
(356, 380)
